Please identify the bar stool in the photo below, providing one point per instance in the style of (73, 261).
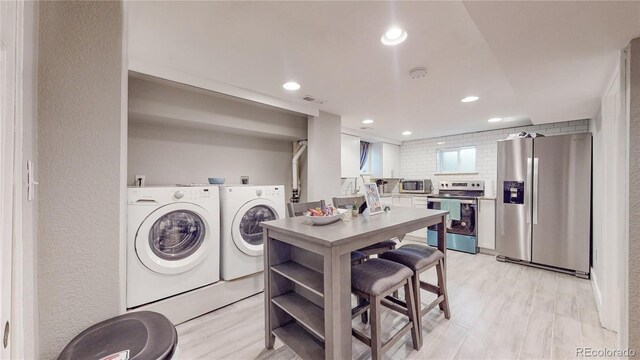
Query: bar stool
(375, 249)
(298, 209)
(421, 258)
(373, 281)
(357, 257)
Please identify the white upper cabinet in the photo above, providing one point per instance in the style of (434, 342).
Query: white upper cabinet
(385, 160)
(350, 155)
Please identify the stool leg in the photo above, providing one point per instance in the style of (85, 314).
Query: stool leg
(411, 313)
(395, 293)
(376, 341)
(363, 317)
(442, 285)
(418, 303)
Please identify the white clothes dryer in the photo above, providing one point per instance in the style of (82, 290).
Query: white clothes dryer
(243, 208)
(173, 241)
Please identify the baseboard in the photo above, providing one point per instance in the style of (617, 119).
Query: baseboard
(597, 293)
(198, 302)
(414, 238)
(486, 251)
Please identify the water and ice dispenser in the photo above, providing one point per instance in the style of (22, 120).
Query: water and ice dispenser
(513, 192)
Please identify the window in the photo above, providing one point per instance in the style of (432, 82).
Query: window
(456, 160)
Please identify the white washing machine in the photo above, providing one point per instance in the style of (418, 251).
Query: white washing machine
(242, 209)
(173, 241)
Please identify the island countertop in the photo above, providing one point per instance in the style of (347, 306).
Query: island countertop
(341, 232)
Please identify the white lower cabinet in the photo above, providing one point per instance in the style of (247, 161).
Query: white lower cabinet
(402, 201)
(419, 202)
(487, 224)
(386, 200)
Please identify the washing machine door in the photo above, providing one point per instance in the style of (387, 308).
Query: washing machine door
(174, 239)
(246, 230)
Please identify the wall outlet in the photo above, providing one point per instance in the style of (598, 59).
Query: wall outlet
(139, 180)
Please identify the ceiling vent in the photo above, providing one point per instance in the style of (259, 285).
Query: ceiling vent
(313, 99)
(418, 73)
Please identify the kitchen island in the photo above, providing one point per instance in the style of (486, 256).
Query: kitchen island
(308, 276)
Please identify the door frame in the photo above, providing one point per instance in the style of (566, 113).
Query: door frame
(11, 173)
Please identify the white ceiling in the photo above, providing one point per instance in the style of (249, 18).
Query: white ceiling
(529, 62)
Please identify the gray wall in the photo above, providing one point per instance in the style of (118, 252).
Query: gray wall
(169, 155)
(29, 226)
(166, 103)
(323, 158)
(634, 196)
(79, 149)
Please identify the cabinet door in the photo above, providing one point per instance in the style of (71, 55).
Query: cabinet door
(395, 201)
(405, 202)
(487, 224)
(419, 202)
(387, 200)
(350, 155)
(391, 160)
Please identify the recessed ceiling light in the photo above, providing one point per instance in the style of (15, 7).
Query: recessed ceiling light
(291, 85)
(394, 36)
(367, 121)
(492, 120)
(470, 99)
(406, 133)
(440, 142)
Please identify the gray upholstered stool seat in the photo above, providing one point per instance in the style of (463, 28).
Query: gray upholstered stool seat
(414, 256)
(377, 276)
(372, 282)
(357, 257)
(142, 334)
(378, 248)
(420, 258)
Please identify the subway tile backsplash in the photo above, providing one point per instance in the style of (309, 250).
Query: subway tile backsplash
(418, 157)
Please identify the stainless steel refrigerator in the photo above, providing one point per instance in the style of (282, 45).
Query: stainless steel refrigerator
(543, 211)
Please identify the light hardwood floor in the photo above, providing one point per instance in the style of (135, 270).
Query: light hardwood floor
(499, 311)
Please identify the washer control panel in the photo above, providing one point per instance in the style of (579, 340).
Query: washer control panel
(192, 194)
(275, 191)
(269, 192)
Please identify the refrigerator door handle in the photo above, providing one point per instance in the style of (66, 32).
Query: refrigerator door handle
(536, 186)
(528, 191)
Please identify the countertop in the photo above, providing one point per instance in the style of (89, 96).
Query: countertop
(404, 195)
(362, 226)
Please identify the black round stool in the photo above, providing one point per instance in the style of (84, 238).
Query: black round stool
(142, 335)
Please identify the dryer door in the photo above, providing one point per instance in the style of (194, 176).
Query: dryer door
(173, 239)
(246, 230)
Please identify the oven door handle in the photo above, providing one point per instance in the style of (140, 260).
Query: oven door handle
(437, 200)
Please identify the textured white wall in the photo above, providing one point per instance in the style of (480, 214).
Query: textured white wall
(418, 157)
(79, 148)
(634, 197)
(168, 156)
(323, 157)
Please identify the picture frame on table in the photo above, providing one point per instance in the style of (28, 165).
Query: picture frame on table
(372, 198)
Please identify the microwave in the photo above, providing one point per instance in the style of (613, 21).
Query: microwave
(416, 186)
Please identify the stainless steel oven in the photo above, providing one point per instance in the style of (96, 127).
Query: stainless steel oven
(416, 186)
(461, 199)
